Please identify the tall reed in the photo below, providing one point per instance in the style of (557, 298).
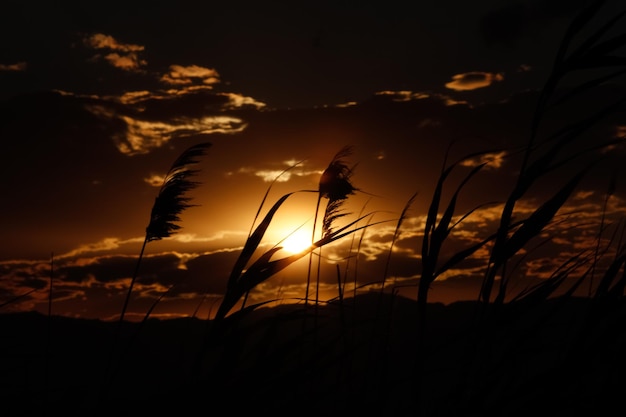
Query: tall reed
(170, 202)
(335, 185)
(595, 54)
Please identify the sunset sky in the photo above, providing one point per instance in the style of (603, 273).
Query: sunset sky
(97, 103)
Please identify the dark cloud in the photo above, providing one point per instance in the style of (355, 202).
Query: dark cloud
(102, 270)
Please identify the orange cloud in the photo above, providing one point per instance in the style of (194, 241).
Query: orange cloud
(237, 100)
(128, 62)
(473, 80)
(122, 56)
(403, 95)
(142, 135)
(20, 66)
(101, 41)
(180, 75)
(493, 160)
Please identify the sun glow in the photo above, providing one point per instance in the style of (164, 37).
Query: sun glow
(297, 241)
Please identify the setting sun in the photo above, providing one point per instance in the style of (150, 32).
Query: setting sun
(297, 241)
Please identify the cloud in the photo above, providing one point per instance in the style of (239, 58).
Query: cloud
(145, 129)
(280, 175)
(237, 100)
(142, 135)
(473, 80)
(200, 96)
(122, 56)
(131, 97)
(128, 62)
(19, 66)
(155, 180)
(101, 41)
(493, 160)
(179, 75)
(402, 95)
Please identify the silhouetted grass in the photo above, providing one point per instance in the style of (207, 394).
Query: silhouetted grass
(170, 202)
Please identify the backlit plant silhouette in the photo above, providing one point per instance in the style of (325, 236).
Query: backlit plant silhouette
(336, 186)
(170, 202)
(247, 274)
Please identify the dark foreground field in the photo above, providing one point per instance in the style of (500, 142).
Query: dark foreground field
(563, 357)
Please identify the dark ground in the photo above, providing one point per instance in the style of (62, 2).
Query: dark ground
(563, 357)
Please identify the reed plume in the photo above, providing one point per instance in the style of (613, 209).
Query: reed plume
(170, 202)
(335, 182)
(335, 185)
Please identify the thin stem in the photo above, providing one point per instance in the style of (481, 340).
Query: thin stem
(308, 277)
(132, 281)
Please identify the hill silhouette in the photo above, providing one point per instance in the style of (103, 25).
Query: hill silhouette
(365, 355)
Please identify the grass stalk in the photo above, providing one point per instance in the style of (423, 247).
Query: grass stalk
(593, 53)
(396, 233)
(170, 202)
